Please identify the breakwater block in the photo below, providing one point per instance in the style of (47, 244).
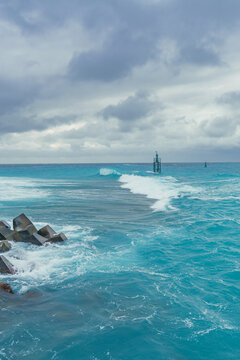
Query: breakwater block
(47, 232)
(6, 287)
(5, 246)
(21, 222)
(5, 266)
(37, 239)
(26, 231)
(4, 224)
(25, 234)
(6, 234)
(57, 238)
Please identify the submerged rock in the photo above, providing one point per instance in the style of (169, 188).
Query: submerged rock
(47, 232)
(6, 233)
(21, 222)
(6, 287)
(57, 238)
(5, 266)
(4, 224)
(5, 246)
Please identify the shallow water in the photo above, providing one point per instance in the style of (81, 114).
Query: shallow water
(151, 269)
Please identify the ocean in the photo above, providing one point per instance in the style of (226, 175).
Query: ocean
(151, 268)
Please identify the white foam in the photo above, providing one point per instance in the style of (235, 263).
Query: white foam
(162, 189)
(14, 189)
(51, 263)
(106, 172)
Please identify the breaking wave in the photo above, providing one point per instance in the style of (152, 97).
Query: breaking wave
(162, 189)
(51, 263)
(106, 172)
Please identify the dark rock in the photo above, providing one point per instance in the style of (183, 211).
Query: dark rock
(6, 287)
(37, 239)
(5, 266)
(57, 238)
(4, 224)
(21, 222)
(25, 234)
(5, 246)
(6, 234)
(47, 232)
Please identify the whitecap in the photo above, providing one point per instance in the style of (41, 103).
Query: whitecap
(162, 189)
(52, 263)
(106, 172)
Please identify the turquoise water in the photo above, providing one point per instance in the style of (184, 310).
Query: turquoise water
(151, 269)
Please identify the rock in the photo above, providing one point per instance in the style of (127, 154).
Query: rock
(47, 232)
(5, 246)
(6, 234)
(57, 238)
(6, 287)
(4, 224)
(21, 222)
(25, 234)
(5, 266)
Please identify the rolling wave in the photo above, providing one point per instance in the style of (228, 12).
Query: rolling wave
(107, 172)
(162, 189)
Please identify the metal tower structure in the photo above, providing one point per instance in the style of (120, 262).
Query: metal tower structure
(157, 165)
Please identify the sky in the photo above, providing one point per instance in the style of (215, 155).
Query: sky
(115, 80)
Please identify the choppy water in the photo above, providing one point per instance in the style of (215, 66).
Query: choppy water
(151, 269)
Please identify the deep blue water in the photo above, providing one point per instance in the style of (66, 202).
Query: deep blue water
(151, 269)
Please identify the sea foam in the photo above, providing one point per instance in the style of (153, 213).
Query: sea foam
(162, 189)
(52, 263)
(20, 189)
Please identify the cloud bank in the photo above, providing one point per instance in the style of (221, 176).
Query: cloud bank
(84, 81)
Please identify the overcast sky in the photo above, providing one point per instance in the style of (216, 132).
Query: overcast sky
(115, 80)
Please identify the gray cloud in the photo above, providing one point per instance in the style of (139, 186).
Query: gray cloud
(220, 127)
(131, 109)
(115, 60)
(199, 56)
(16, 94)
(138, 28)
(17, 124)
(82, 57)
(230, 98)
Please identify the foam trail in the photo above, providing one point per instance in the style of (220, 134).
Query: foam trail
(162, 189)
(20, 188)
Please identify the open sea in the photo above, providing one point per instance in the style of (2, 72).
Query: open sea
(151, 269)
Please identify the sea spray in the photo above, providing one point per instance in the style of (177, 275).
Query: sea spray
(51, 264)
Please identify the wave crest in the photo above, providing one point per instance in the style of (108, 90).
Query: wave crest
(162, 189)
(106, 172)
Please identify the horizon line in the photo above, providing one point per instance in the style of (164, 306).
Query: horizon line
(125, 162)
